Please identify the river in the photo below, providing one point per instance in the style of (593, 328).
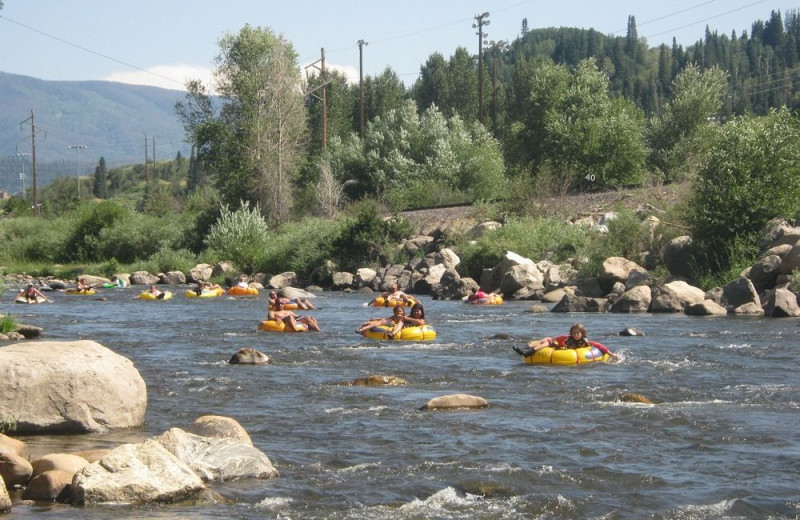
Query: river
(554, 443)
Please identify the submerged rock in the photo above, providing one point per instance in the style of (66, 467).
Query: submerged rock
(455, 401)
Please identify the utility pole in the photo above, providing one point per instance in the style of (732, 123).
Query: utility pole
(361, 44)
(323, 96)
(146, 157)
(155, 174)
(481, 21)
(78, 148)
(34, 131)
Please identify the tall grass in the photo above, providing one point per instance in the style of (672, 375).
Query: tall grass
(8, 323)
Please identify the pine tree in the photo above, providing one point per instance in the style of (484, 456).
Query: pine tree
(100, 189)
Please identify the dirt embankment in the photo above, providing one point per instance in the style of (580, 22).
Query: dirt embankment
(570, 207)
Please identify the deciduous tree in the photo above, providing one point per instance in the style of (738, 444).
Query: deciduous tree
(254, 145)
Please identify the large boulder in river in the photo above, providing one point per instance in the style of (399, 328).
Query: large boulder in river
(430, 279)
(491, 279)
(739, 292)
(200, 273)
(144, 278)
(364, 277)
(342, 280)
(14, 469)
(5, 500)
(572, 303)
(705, 308)
(69, 387)
(249, 356)
(279, 281)
(791, 260)
(764, 273)
(636, 299)
(523, 282)
(10, 444)
(220, 426)
(448, 257)
(782, 303)
(172, 278)
(137, 474)
(679, 257)
(48, 486)
(217, 458)
(617, 269)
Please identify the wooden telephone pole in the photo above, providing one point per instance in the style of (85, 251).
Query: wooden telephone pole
(34, 130)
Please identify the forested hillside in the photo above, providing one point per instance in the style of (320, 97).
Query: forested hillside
(109, 119)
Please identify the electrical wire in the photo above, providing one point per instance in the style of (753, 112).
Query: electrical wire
(86, 49)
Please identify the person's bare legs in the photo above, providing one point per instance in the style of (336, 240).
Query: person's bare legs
(311, 322)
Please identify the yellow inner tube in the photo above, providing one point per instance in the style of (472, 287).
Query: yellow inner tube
(210, 293)
(86, 292)
(147, 296)
(420, 333)
(280, 326)
(286, 307)
(380, 301)
(567, 356)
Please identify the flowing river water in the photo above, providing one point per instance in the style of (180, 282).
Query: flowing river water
(555, 442)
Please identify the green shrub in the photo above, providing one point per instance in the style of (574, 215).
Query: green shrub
(166, 260)
(420, 193)
(111, 267)
(30, 239)
(138, 236)
(240, 236)
(751, 177)
(300, 246)
(8, 423)
(367, 239)
(8, 323)
(84, 242)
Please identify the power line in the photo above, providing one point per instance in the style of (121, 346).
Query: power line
(85, 49)
(707, 19)
(670, 15)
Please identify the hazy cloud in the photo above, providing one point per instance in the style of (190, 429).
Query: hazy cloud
(173, 77)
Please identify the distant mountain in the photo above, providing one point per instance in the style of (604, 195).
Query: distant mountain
(110, 119)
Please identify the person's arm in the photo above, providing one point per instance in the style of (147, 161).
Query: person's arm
(416, 322)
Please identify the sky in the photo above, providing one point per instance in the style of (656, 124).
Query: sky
(167, 42)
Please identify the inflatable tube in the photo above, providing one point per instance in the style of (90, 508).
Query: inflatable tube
(147, 296)
(286, 307)
(568, 356)
(22, 299)
(211, 293)
(242, 291)
(112, 285)
(494, 299)
(380, 301)
(280, 326)
(84, 292)
(420, 333)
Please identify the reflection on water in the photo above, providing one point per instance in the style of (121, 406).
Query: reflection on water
(554, 443)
